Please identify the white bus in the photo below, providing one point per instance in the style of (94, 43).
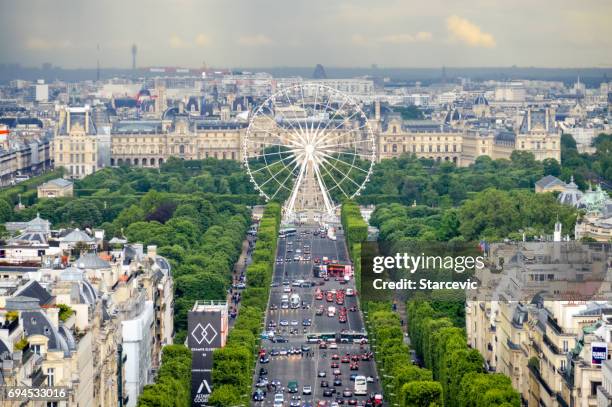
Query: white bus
(361, 386)
(286, 232)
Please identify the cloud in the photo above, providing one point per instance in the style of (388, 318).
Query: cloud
(421, 36)
(254, 40)
(202, 40)
(41, 44)
(464, 31)
(177, 42)
(394, 39)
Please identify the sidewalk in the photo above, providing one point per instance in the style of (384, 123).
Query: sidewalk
(403, 314)
(239, 268)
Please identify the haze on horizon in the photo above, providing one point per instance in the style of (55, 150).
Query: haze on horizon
(266, 33)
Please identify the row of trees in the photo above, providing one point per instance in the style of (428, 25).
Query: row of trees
(172, 387)
(233, 365)
(407, 384)
(355, 232)
(460, 370)
(202, 240)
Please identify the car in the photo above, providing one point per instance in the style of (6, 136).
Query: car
(322, 373)
(273, 307)
(355, 358)
(347, 393)
(280, 339)
(307, 390)
(370, 379)
(342, 319)
(274, 284)
(263, 372)
(318, 296)
(305, 348)
(295, 403)
(345, 359)
(286, 289)
(337, 372)
(335, 356)
(264, 360)
(259, 395)
(307, 322)
(353, 376)
(337, 381)
(283, 322)
(335, 365)
(279, 400)
(350, 292)
(352, 402)
(322, 345)
(262, 382)
(294, 322)
(240, 286)
(333, 345)
(353, 308)
(274, 352)
(354, 366)
(324, 383)
(328, 393)
(319, 311)
(283, 352)
(285, 305)
(292, 386)
(322, 403)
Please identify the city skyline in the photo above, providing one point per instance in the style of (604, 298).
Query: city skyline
(271, 33)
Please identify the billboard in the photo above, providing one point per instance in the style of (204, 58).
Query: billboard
(207, 331)
(599, 352)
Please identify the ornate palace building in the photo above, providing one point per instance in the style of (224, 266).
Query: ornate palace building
(459, 137)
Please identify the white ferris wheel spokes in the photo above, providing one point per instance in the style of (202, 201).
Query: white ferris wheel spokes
(311, 146)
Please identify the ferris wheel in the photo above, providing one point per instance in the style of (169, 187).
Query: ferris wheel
(310, 146)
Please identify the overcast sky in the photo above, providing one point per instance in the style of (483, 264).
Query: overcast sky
(265, 33)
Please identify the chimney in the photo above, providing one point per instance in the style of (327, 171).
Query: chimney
(151, 251)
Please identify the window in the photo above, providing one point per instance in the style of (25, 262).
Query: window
(394, 148)
(562, 365)
(50, 377)
(36, 349)
(565, 347)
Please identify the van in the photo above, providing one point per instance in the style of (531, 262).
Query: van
(331, 311)
(279, 400)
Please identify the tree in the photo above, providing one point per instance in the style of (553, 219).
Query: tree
(421, 394)
(224, 396)
(6, 211)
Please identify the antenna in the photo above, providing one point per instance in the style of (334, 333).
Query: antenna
(134, 52)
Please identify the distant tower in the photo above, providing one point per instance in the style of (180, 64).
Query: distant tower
(134, 51)
(98, 64)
